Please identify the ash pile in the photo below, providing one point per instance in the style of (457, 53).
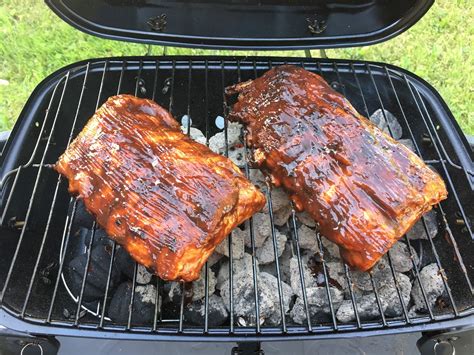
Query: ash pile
(297, 272)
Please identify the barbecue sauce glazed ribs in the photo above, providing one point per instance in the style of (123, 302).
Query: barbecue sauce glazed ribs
(364, 189)
(168, 200)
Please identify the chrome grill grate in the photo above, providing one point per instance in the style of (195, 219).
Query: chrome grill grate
(38, 214)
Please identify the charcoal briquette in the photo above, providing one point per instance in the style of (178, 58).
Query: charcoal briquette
(194, 312)
(97, 273)
(82, 218)
(143, 308)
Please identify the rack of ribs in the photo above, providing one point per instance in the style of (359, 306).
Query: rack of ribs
(364, 189)
(169, 201)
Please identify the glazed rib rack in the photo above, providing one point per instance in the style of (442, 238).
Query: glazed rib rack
(38, 213)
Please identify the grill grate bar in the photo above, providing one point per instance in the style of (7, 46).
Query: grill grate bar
(173, 73)
(277, 262)
(188, 109)
(139, 77)
(377, 298)
(64, 245)
(157, 303)
(346, 269)
(418, 278)
(181, 307)
(379, 98)
(122, 71)
(94, 225)
(352, 294)
(321, 252)
(300, 270)
(326, 282)
(206, 271)
(155, 79)
(356, 78)
(250, 223)
(84, 279)
(132, 296)
(206, 100)
(107, 284)
(35, 186)
(10, 195)
(397, 287)
(231, 266)
(135, 268)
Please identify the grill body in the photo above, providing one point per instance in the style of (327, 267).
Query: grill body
(37, 211)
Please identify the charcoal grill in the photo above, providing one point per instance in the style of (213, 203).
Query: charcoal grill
(37, 213)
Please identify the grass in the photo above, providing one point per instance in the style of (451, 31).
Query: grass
(35, 43)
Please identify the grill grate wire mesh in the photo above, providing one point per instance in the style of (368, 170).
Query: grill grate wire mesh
(230, 71)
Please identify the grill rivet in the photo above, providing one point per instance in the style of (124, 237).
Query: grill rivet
(316, 26)
(158, 23)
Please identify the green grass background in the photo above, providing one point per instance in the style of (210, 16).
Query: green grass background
(34, 43)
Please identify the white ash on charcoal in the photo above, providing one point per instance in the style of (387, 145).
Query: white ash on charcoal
(217, 143)
(237, 155)
(214, 259)
(266, 254)
(238, 244)
(307, 239)
(402, 259)
(388, 293)
(194, 313)
(408, 143)
(306, 219)
(268, 298)
(195, 290)
(281, 216)
(387, 122)
(295, 279)
(331, 250)
(194, 134)
(262, 229)
(259, 180)
(380, 272)
(97, 273)
(337, 273)
(318, 305)
(143, 275)
(281, 203)
(143, 308)
(368, 307)
(239, 265)
(283, 262)
(414, 313)
(418, 231)
(432, 281)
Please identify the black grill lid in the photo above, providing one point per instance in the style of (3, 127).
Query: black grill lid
(244, 24)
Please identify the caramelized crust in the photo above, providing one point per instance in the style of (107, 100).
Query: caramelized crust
(363, 188)
(168, 200)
